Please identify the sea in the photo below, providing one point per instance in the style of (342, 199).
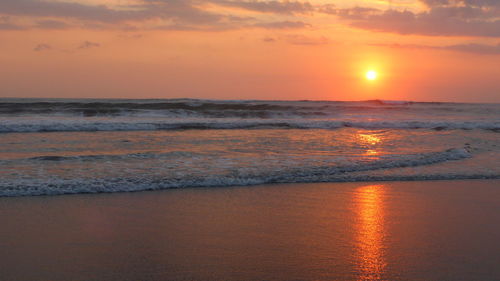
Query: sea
(68, 146)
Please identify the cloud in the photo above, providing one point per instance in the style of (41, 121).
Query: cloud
(6, 24)
(474, 18)
(434, 3)
(88, 45)
(10, 26)
(327, 9)
(177, 12)
(131, 36)
(174, 10)
(481, 49)
(66, 10)
(157, 14)
(277, 7)
(356, 12)
(42, 47)
(476, 48)
(51, 24)
(268, 39)
(480, 18)
(306, 40)
(298, 39)
(283, 25)
(82, 46)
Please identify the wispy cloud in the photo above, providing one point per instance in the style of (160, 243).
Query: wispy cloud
(51, 24)
(88, 45)
(6, 24)
(476, 48)
(277, 7)
(42, 47)
(283, 25)
(473, 18)
(268, 39)
(478, 18)
(299, 39)
(168, 15)
(482, 49)
(82, 46)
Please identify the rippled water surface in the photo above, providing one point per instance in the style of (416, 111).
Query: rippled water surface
(56, 147)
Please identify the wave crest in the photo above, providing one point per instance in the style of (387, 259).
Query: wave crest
(141, 181)
(83, 126)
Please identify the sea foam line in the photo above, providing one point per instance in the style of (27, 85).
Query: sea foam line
(140, 182)
(31, 127)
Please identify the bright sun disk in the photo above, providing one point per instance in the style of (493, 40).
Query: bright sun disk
(371, 75)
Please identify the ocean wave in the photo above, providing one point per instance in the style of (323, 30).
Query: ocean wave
(83, 126)
(241, 177)
(181, 108)
(105, 157)
(198, 108)
(63, 187)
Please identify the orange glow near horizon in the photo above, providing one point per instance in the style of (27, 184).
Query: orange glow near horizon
(370, 231)
(239, 52)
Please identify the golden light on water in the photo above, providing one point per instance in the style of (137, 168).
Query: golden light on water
(371, 139)
(370, 142)
(370, 232)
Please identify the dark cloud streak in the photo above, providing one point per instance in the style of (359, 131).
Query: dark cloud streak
(474, 18)
(283, 25)
(276, 7)
(474, 48)
(88, 45)
(51, 24)
(444, 18)
(175, 14)
(42, 47)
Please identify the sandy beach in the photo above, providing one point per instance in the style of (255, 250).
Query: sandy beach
(432, 230)
(249, 140)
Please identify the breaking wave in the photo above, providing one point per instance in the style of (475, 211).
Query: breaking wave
(184, 114)
(181, 108)
(84, 126)
(141, 181)
(261, 143)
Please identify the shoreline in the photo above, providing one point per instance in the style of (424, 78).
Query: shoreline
(368, 179)
(419, 230)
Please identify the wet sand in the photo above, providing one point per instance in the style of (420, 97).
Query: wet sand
(432, 230)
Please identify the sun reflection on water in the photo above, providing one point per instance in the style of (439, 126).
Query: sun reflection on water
(369, 138)
(370, 232)
(370, 141)
(371, 152)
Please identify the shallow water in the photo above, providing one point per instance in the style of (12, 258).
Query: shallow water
(59, 146)
(433, 230)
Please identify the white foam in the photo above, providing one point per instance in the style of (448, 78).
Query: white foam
(25, 126)
(54, 185)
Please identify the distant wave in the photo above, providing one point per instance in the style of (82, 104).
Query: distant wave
(215, 109)
(141, 181)
(85, 126)
(34, 163)
(182, 109)
(105, 157)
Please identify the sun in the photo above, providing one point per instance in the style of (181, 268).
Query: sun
(371, 75)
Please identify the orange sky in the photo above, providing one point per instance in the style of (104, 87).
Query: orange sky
(424, 50)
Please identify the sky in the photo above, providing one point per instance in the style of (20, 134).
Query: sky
(421, 50)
